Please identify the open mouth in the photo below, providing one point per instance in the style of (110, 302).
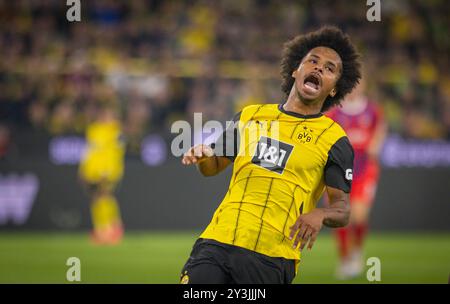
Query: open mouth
(312, 81)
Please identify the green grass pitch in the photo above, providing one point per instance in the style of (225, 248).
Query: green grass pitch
(157, 257)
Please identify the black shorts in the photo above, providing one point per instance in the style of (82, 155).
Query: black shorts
(212, 262)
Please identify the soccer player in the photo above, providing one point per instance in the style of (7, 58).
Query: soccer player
(285, 156)
(100, 170)
(363, 122)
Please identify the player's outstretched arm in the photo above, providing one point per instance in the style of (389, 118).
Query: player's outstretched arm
(207, 162)
(337, 214)
(307, 226)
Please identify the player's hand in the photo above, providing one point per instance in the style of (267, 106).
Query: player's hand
(197, 154)
(307, 228)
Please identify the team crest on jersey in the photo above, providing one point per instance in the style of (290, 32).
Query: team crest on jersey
(305, 135)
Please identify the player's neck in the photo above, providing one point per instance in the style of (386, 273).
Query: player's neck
(296, 105)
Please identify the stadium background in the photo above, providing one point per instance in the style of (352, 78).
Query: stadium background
(161, 61)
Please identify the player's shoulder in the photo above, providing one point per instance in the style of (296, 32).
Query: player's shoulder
(334, 130)
(334, 126)
(254, 110)
(336, 139)
(260, 107)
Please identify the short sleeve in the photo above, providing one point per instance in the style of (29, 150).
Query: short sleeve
(227, 144)
(339, 166)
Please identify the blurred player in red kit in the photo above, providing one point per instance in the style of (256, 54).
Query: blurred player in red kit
(363, 122)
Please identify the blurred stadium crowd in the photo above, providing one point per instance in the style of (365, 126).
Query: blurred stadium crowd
(160, 61)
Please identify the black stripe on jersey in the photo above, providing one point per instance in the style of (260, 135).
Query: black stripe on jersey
(301, 212)
(250, 120)
(270, 126)
(295, 128)
(251, 117)
(262, 214)
(240, 205)
(250, 203)
(236, 175)
(287, 216)
(317, 139)
(257, 110)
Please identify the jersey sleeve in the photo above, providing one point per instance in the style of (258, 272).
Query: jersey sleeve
(339, 166)
(227, 144)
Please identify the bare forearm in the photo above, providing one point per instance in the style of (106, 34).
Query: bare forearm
(207, 162)
(308, 225)
(337, 214)
(212, 165)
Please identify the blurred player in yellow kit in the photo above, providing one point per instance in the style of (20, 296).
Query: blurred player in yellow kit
(100, 170)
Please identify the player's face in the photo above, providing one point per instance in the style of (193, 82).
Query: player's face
(317, 75)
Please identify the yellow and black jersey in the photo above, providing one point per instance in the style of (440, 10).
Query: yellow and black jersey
(103, 160)
(282, 163)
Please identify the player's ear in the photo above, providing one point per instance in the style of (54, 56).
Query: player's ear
(294, 74)
(333, 92)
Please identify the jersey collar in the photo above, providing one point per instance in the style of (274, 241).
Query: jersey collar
(298, 115)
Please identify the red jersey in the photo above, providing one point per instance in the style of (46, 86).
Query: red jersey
(360, 124)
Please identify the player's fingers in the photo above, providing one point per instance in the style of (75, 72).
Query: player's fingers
(312, 240)
(301, 234)
(294, 228)
(207, 151)
(297, 240)
(188, 160)
(306, 236)
(189, 152)
(195, 152)
(198, 151)
(303, 230)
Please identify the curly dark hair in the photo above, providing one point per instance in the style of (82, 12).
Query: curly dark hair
(329, 36)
